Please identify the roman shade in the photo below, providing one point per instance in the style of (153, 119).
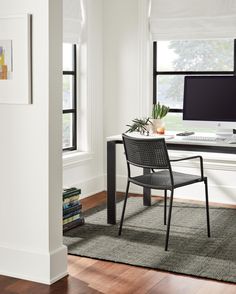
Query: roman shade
(192, 19)
(72, 21)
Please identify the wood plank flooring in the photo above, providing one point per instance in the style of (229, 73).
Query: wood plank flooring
(95, 276)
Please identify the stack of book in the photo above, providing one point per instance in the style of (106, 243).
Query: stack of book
(72, 216)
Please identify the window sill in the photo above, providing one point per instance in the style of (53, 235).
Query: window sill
(76, 158)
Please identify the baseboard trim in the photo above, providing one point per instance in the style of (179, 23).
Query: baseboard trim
(39, 267)
(59, 277)
(90, 186)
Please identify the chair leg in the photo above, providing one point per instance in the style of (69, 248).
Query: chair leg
(165, 200)
(123, 212)
(207, 209)
(169, 220)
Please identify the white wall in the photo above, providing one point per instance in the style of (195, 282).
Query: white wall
(30, 155)
(125, 52)
(122, 72)
(125, 74)
(121, 64)
(86, 171)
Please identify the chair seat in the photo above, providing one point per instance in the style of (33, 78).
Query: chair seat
(161, 180)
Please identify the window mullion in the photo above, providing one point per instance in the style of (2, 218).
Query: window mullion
(72, 110)
(69, 73)
(176, 110)
(154, 72)
(75, 98)
(235, 57)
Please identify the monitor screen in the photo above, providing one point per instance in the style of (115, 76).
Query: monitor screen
(210, 98)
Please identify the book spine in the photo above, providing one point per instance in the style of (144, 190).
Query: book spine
(76, 207)
(67, 190)
(71, 219)
(71, 204)
(70, 214)
(70, 199)
(78, 222)
(71, 193)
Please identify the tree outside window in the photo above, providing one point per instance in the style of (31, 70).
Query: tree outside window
(173, 60)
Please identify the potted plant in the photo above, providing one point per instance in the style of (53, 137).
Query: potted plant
(139, 125)
(158, 113)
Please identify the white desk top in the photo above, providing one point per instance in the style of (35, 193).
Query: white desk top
(171, 138)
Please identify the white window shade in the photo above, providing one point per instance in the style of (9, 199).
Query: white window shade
(72, 21)
(192, 19)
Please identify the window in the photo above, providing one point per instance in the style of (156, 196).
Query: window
(69, 97)
(173, 60)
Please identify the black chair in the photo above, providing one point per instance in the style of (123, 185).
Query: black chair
(151, 153)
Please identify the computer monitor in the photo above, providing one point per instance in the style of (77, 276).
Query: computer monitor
(210, 101)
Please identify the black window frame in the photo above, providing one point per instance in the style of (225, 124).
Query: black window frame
(73, 110)
(157, 73)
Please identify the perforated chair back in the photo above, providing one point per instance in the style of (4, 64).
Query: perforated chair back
(146, 153)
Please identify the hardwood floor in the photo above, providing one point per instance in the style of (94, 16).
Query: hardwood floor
(95, 276)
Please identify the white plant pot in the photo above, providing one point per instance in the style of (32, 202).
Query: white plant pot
(158, 126)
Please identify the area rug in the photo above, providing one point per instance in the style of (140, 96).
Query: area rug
(142, 241)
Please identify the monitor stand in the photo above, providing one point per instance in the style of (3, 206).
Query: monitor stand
(224, 133)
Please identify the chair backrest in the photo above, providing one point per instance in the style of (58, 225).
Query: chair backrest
(146, 153)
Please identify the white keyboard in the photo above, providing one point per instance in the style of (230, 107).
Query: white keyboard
(201, 138)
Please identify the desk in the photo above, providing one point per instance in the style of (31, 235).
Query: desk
(175, 143)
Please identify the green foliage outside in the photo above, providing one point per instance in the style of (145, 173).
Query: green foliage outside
(211, 55)
(174, 122)
(191, 55)
(66, 130)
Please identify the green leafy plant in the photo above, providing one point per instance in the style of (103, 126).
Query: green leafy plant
(159, 111)
(139, 125)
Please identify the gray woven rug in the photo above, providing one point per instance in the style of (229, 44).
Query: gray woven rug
(142, 241)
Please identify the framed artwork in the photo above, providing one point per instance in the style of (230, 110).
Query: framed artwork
(15, 60)
(5, 59)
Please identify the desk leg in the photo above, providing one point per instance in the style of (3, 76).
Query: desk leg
(146, 191)
(111, 182)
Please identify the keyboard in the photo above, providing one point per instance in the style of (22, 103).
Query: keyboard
(201, 138)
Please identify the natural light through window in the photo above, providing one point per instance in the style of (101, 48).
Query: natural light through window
(69, 97)
(176, 59)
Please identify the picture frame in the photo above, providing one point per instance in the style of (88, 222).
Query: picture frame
(15, 59)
